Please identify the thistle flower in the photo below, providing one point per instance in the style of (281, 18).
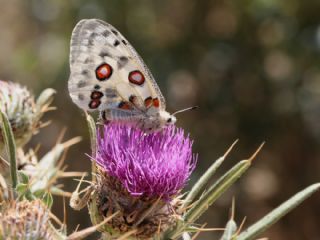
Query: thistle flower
(26, 220)
(120, 208)
(140, 176)
(22, 111)
(153, 165)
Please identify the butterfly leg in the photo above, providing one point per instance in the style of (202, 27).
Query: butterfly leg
(102, 119)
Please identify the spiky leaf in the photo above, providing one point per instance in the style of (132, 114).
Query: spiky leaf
(10, 147)
(271, 218)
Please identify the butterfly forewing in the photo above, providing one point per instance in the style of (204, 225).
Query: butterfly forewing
(107, 73)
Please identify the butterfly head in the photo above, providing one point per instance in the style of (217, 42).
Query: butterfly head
(167, 118)
(158, 121)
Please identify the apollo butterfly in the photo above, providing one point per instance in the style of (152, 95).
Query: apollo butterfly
(108, 75)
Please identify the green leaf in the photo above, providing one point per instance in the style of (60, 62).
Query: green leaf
(231, 229)
(10, 147)
(50, 159)
(199, 185)
(23, 192)
(186, 236)
(45, 98)
(57, 191)
(209, 197)
(43, 103)
(277, 213)
(23, 177)
(39, 193)
(217, 189)
(46, 169)
(21, 188)
(48, 199)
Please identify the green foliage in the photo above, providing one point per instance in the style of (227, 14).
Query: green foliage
(10, 146)
(48, 199)
(184, 227)
(231, 229)
(200, 184)
(267, 221)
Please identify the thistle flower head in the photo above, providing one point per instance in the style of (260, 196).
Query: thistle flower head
(22, 110)
(139, 177)
(153, 165)
(25, 220)
(19, 105)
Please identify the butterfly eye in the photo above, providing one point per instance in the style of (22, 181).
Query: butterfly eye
(169, 120)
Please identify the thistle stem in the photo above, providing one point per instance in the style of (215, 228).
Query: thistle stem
(10, 147)
(93, 142)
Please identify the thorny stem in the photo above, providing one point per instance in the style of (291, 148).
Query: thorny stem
(93, 141)
(10, 146)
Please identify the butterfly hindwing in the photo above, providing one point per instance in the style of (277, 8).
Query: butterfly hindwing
(107, 73)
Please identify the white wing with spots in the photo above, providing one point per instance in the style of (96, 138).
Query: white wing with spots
(107, 73)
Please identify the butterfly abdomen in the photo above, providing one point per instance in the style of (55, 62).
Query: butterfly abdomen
(120, 116)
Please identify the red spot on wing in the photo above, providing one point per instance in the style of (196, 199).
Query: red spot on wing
(124, 106)
(136, 77)
(103, 72)
(96, 95)
(148, 102)
(156, 102)
(94, 104)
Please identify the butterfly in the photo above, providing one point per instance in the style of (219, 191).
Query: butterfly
(108, 75)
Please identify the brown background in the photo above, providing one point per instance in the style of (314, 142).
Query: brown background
(252, 67)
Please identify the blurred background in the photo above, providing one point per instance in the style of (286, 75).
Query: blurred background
(252, 66)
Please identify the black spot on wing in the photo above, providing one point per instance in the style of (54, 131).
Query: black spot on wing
(132, 98)
(88, 60)
(106, 33)
(91, 42)
(122, 61)
(91, 39)
(104, 53)
(116, 43)
(85, 72)
(114, 31)
(110, 93)
(80, 96)
(124, 42)
(93, 35)
(81, 84)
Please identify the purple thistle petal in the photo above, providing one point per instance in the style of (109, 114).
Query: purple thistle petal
(154, 165)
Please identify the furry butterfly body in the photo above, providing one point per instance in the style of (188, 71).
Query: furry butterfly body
(107, 74)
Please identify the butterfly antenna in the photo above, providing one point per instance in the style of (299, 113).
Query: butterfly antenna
(184, 110)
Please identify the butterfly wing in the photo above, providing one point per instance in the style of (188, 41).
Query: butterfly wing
(107, 73)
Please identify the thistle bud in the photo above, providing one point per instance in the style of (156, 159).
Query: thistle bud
(26, 220)
(22, 111)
